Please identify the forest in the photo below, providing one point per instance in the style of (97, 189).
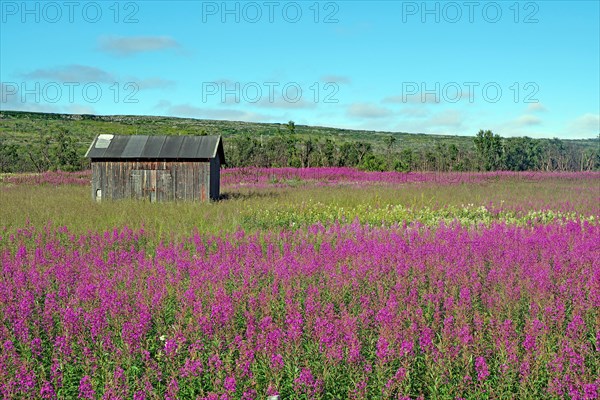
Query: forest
(38, 142)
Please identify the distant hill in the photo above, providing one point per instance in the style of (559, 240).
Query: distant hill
(18, 125)
(25, 130)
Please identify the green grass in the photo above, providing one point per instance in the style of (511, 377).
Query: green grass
(71, 206)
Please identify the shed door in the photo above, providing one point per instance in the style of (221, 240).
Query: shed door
(135, 184)
(151, 184)
(164, 185)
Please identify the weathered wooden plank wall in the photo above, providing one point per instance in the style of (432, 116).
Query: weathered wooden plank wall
(152, 180)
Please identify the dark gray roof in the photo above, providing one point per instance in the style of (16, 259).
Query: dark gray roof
(159, 147)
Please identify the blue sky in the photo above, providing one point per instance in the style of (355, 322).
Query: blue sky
(518, 68)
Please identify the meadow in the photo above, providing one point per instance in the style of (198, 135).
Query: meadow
(308, 284)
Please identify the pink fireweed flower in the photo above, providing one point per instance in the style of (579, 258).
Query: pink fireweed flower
(272, 390)
(426, 339)
(9, 346)
(172, 390)
(382, 349)
(139, 395)
(397, 378)
(306, 383)
(529, 343)
(482, 368)
(305, 378)
(576, 327)
(407, 348)
(590, 391)
(56, 373)
(230, 384)
(249, 394)
(556, 387)
(359, 391)
(47, 391)
(277, 361)
(575, 359)
(524, 370)
(215, 362)
(464, 334)
(191, 368)
(170, 347)
(25, 378)
(62, 346)
(85, 389)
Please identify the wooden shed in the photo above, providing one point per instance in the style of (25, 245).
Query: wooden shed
(156, 168)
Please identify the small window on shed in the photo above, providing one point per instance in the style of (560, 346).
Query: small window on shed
(103, 141)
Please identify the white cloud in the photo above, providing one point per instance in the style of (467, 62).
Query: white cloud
(536, 107)
(339, 79)
(285, 104)
(413, 99)
(71, 73)
(84, 74)
(153, 83)
(586, 124)
(414, 112)
(447, 118)
(190, 111)
(367, 110)
(126, 46)
(440, 96)
(31, 107)
(11, 99)
(162, 104)
(527, 120)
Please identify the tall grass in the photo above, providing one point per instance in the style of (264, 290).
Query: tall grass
(71, 205)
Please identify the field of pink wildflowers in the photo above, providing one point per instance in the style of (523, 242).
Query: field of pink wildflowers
(327, 311)
(281, 177)
(334, 176)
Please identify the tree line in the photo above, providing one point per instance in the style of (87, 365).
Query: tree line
(488, 152)
(42, 152)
